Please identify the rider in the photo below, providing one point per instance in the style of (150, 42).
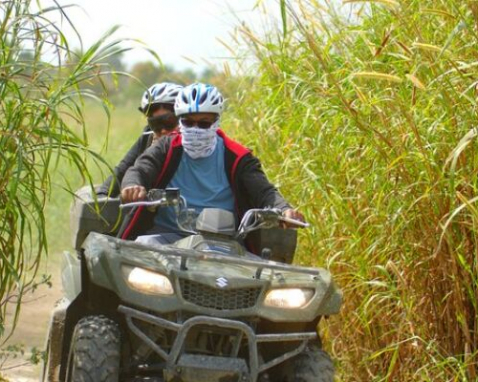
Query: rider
(210, 169)
(157, 104)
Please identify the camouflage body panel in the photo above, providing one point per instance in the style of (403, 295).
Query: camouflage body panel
(107, 257)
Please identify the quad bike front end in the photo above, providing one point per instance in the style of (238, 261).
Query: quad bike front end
(201, 309)
(189, 316)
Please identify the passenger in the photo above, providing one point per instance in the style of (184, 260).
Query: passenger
(157, 104)
(210, 169)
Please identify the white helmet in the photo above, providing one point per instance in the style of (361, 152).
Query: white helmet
(199, 98)
(164, 92)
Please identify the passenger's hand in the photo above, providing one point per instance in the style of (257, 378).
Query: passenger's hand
(292, 214)
(133, 194)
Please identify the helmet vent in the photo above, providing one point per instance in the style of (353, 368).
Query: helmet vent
(203, 98)
(198, 98)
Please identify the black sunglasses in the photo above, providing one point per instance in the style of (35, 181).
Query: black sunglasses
(157, 106)
(201, 124)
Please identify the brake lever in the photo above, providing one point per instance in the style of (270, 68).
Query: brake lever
(295, 222)
(142, 203)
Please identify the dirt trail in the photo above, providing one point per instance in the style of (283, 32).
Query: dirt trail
(32, 328)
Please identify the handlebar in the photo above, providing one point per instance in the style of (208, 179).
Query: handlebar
(253, 219)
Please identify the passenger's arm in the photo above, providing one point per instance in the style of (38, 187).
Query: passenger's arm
(119, 171)
(143, 175)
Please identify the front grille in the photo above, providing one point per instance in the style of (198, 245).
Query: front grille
(216, 298)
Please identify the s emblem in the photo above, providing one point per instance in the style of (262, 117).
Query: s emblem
(222, 282)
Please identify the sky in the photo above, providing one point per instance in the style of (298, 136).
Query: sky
(180, 31)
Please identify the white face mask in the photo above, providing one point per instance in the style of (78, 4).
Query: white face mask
(199, 143)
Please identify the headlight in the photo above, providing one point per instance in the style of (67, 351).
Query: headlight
(288, 298)
(147, 281)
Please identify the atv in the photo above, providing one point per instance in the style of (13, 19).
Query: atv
(202, 309)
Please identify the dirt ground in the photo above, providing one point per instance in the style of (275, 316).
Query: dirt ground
(31, 329)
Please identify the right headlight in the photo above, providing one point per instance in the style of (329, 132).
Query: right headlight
(288, 298)
(147, 281)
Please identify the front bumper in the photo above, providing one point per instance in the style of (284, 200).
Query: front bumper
(198, 368)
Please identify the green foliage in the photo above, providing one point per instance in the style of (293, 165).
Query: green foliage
(127, 124)
(41, 125)
(15, 356)
(365, 115)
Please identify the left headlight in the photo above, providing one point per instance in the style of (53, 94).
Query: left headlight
(288, 298)
(147, 281)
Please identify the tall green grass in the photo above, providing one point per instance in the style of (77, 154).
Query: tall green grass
(365, 113)
(124, 125)
(43, 88)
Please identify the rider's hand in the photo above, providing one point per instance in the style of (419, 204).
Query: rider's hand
(292, 214)
(133, 194)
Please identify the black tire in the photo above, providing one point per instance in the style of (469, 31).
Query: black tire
(313, 365)
(95, 351)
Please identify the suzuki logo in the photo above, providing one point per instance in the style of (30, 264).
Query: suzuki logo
(222, 282)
